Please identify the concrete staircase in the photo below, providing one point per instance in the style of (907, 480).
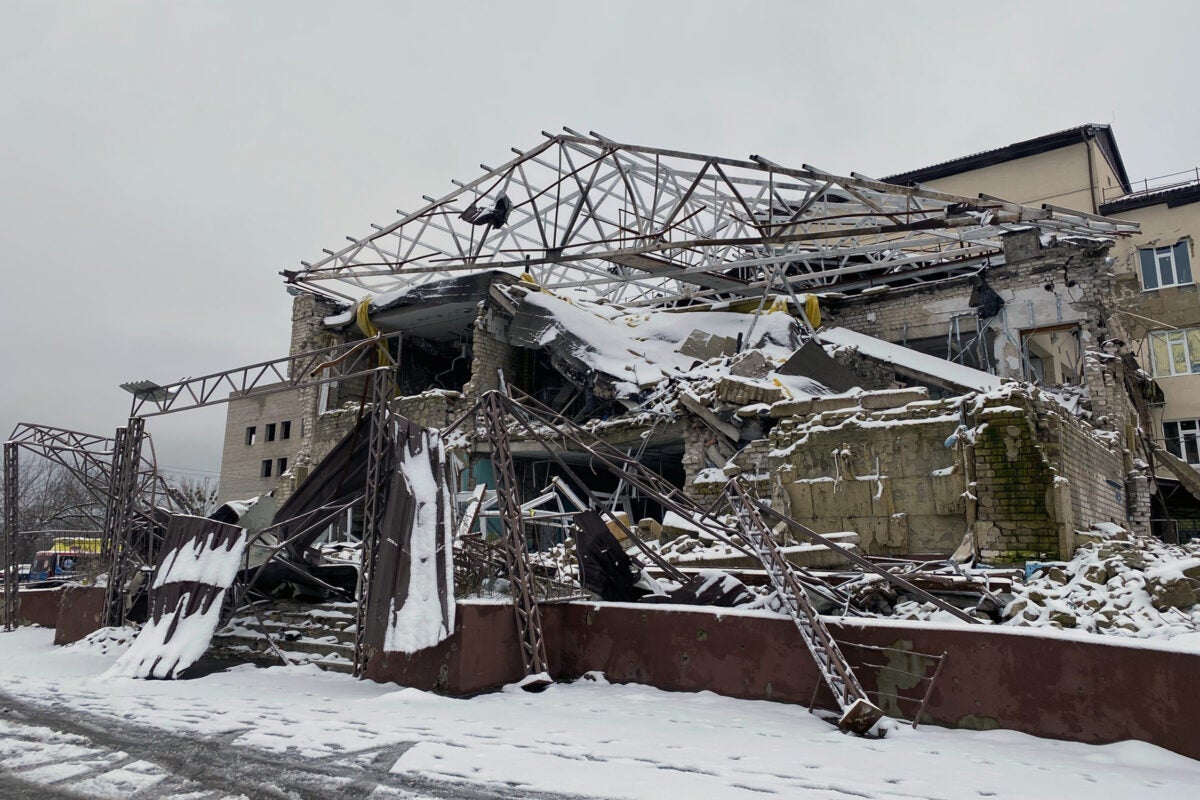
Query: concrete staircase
(320, 634)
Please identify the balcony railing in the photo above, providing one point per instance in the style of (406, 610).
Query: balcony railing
(1153, 185)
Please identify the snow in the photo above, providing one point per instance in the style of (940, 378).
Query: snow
(641, 348)
(902, 356)
(166, 647)
(421, 621)
(589, 737)
(202, 562)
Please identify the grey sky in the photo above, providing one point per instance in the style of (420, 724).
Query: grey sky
(161, 162)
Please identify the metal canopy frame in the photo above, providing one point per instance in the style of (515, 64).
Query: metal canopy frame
(638, 224)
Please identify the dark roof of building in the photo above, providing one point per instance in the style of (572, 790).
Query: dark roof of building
(1041, 144)
(1172, 196)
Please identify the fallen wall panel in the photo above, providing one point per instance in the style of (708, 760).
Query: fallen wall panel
(197, 564)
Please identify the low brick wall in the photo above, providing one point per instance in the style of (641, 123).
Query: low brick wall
(1053, 686)
(80, 613)
(38, 606)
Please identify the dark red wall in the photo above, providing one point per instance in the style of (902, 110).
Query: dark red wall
(1048, 685)
(81, 612)
(38, 606)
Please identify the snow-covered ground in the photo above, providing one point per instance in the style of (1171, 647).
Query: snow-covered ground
(588, 738)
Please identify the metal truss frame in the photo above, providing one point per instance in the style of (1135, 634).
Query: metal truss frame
(118, 528)
(340, 362)
(648, 225)
(87, 457)
(9, 542)
(375, 500)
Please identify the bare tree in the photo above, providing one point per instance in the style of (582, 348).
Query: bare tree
(199, 495)
(51, 501)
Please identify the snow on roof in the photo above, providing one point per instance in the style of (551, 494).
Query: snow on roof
(640, 348)
(937, 368)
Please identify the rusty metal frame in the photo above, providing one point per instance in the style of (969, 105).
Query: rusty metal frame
(379, 456)
(118, 519)
(87, 457)
(11, 526)
(516, 555)
(859, 714)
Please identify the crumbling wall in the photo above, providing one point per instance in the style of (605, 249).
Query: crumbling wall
(1021, 509)
(901, 476)
(1041, 285)
(435, 408)
(884, 473)
(1041, 475)
(488, 354)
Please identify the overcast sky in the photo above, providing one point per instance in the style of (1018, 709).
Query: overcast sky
(161, 162)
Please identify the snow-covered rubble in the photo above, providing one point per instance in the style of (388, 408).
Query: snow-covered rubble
(1132, 586)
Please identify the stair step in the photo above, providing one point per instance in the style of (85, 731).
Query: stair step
(305, 645)
(307, 629)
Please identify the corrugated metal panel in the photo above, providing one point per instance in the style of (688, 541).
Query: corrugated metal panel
(198, 563)
(392, 581)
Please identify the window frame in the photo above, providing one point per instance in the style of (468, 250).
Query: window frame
(1172, 339)
(1151, 261)
(1185, 443)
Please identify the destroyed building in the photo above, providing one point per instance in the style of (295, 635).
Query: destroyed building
(648, 377)
(712, 373)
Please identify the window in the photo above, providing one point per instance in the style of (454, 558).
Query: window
(1165, 266)
(1182, 439)
(280, 466)
(1175, 352)
(250, 436)
(270, 431)
(285, 429)
(265, 472)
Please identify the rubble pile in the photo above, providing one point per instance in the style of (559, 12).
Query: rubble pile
(1126, 585)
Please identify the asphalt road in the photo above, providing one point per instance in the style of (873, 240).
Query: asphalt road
(49, 752)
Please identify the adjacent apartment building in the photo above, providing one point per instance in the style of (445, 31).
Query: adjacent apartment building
(1158, 305)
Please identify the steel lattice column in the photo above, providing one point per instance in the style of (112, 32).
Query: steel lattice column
(379, 456)
(858, 712)
(516, 556)
(11, 520)
(118, 517)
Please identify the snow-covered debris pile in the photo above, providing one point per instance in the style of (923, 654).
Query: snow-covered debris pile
(107, 641)
(1129, 586)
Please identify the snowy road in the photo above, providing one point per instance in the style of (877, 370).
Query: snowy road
(84, 755)
(65, 730)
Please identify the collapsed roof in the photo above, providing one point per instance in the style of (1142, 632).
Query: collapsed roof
(652, 226)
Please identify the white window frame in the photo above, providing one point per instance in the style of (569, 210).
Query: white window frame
(1164, 256)
(1174, 339)
(1185, 443)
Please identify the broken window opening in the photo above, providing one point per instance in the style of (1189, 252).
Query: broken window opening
(426, 364)
(250, 435)
(265, 468)
(1051, 356)
(285, 429)
(270, 432)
